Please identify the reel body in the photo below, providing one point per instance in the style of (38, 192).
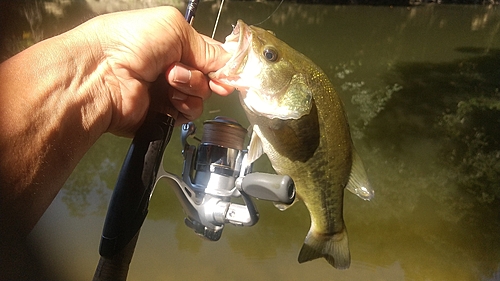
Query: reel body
(217, 171)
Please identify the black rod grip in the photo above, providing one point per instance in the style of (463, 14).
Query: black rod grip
(129, 203)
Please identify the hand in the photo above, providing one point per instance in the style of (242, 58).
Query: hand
(61, 94)
(139, 48)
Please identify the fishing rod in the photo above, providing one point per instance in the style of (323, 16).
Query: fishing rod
(130, 199)
(213, 173)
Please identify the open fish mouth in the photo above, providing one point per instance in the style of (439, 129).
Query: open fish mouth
(263, 89)
(237, 43)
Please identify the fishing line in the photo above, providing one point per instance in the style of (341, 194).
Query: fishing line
(220, 10)
(218, 16)
(281, 2)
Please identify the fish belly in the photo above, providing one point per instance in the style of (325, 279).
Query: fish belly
(321, 171)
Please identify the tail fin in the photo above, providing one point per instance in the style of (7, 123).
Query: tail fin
(335, 249)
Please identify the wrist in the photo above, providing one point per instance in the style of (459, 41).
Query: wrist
(89, 71)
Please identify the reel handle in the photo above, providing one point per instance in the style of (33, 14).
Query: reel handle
(269, 187)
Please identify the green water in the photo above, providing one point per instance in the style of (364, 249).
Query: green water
(421, 87)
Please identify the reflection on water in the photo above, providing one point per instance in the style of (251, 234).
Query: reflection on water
(421, 89)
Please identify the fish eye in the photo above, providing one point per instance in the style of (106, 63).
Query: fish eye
(271, 54)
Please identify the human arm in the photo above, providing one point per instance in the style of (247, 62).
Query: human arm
(59, 96)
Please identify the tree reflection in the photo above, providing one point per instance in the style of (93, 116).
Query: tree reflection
(439, 137)
(88, 189)
(458, 102)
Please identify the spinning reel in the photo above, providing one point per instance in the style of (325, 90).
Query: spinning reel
(217, 171)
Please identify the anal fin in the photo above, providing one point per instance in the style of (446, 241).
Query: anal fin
(358, 180)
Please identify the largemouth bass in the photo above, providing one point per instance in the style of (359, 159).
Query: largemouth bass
(298, 120)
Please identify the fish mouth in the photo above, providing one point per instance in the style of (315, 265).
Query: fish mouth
(237, 43)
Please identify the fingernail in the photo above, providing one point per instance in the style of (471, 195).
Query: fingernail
(179, 96)
(181, 75)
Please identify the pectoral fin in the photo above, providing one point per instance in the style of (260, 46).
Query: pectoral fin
(358, 180)
(255, 149)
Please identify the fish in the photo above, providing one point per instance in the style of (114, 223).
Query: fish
(298, 120)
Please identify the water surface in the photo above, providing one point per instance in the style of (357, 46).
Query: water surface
(421, 89)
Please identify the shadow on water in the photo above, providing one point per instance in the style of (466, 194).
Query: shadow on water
(457, 103)
(439, 135)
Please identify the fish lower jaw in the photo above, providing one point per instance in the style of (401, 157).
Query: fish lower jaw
(273, 113)
(266, 107)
